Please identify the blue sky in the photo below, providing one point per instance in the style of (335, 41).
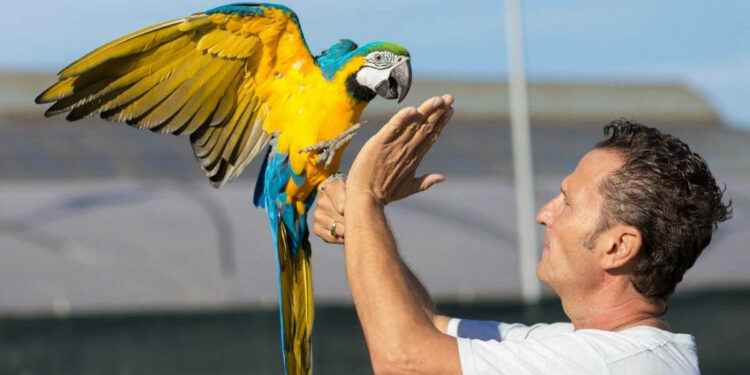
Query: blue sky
(705, 44)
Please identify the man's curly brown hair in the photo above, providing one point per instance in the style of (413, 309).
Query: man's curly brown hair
(668, 193)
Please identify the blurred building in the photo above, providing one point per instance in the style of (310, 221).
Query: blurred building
(102, 217)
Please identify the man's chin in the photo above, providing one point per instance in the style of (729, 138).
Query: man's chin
(540, 272)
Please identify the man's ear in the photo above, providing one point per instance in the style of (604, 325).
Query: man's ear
(625, 243)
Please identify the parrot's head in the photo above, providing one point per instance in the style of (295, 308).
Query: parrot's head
(384, 69)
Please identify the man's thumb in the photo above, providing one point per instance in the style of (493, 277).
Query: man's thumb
(426, 181)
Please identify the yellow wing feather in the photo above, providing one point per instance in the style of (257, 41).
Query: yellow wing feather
(197, 109)
(119, 74)
(198, 76)
(187, 88)
(226, 102)
(137, 42)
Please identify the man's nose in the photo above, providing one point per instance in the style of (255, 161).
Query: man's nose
(544, 216)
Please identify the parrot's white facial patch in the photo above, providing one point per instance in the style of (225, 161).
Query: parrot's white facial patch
(371, 77)
(377, 68)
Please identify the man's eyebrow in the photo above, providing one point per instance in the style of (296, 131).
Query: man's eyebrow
(565, 196)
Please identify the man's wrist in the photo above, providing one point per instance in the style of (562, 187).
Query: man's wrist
(370, 216)
(357, 202)
(362, 197)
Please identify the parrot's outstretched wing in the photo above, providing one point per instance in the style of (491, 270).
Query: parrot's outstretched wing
(195, 76)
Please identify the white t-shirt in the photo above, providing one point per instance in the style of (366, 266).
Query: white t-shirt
(498, 348)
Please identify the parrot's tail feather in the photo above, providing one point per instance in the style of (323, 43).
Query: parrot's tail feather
(296, 303)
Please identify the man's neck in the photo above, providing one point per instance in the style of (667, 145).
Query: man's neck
(614, 310)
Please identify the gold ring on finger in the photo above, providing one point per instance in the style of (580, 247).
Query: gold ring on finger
(333, 229)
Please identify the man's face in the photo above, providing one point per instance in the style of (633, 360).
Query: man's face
(566, 265)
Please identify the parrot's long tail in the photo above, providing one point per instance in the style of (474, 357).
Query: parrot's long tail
(290, 239)
(295, 302)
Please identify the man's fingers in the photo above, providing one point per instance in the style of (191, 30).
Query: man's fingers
(398, 123)
(336, 232)
(445, 119)
(441, 119)
(325, 234)
(336, 193)
(324, 218)
(434, 110)
(339, 230)
(426, 181)
(415, 118)
(426, 109)
(320, 232)
(440, 107)
(330, 179)
(404, 116)
(323, 222)
(448, 98)
(320, 215)
(325, 214)
(431, 105)
(428, 135)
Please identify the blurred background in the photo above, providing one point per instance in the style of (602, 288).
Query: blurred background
(117, 257)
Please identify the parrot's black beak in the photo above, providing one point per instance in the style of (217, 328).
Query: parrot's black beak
(398, 83)
(402, 75)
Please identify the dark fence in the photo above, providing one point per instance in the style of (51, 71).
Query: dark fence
(247, 342)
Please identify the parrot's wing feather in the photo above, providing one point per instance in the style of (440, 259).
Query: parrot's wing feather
(196, 76)
(337, 50)
(328, 58)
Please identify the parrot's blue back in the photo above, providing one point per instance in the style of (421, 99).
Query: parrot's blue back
(331, 60)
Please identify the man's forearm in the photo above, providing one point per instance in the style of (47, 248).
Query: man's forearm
(419, 291)
(397, 330)
(424, 299)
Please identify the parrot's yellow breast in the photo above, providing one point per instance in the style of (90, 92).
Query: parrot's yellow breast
(304, 109)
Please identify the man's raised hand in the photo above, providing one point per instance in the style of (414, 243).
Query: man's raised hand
(385, 167)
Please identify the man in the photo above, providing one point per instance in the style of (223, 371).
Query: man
(629, 221)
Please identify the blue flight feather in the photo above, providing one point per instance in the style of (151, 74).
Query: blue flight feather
(258, 193)
(251, 9)
(328, 59)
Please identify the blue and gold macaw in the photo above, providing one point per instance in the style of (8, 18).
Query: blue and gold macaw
(239, 79)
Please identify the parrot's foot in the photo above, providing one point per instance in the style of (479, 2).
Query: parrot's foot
(335, 176)
(327, 149)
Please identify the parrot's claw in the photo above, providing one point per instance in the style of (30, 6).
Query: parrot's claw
(336, 176)
(327, 149)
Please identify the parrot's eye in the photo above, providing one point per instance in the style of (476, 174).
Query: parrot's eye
(378, 57)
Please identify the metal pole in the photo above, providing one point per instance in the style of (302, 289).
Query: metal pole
(522, 166)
